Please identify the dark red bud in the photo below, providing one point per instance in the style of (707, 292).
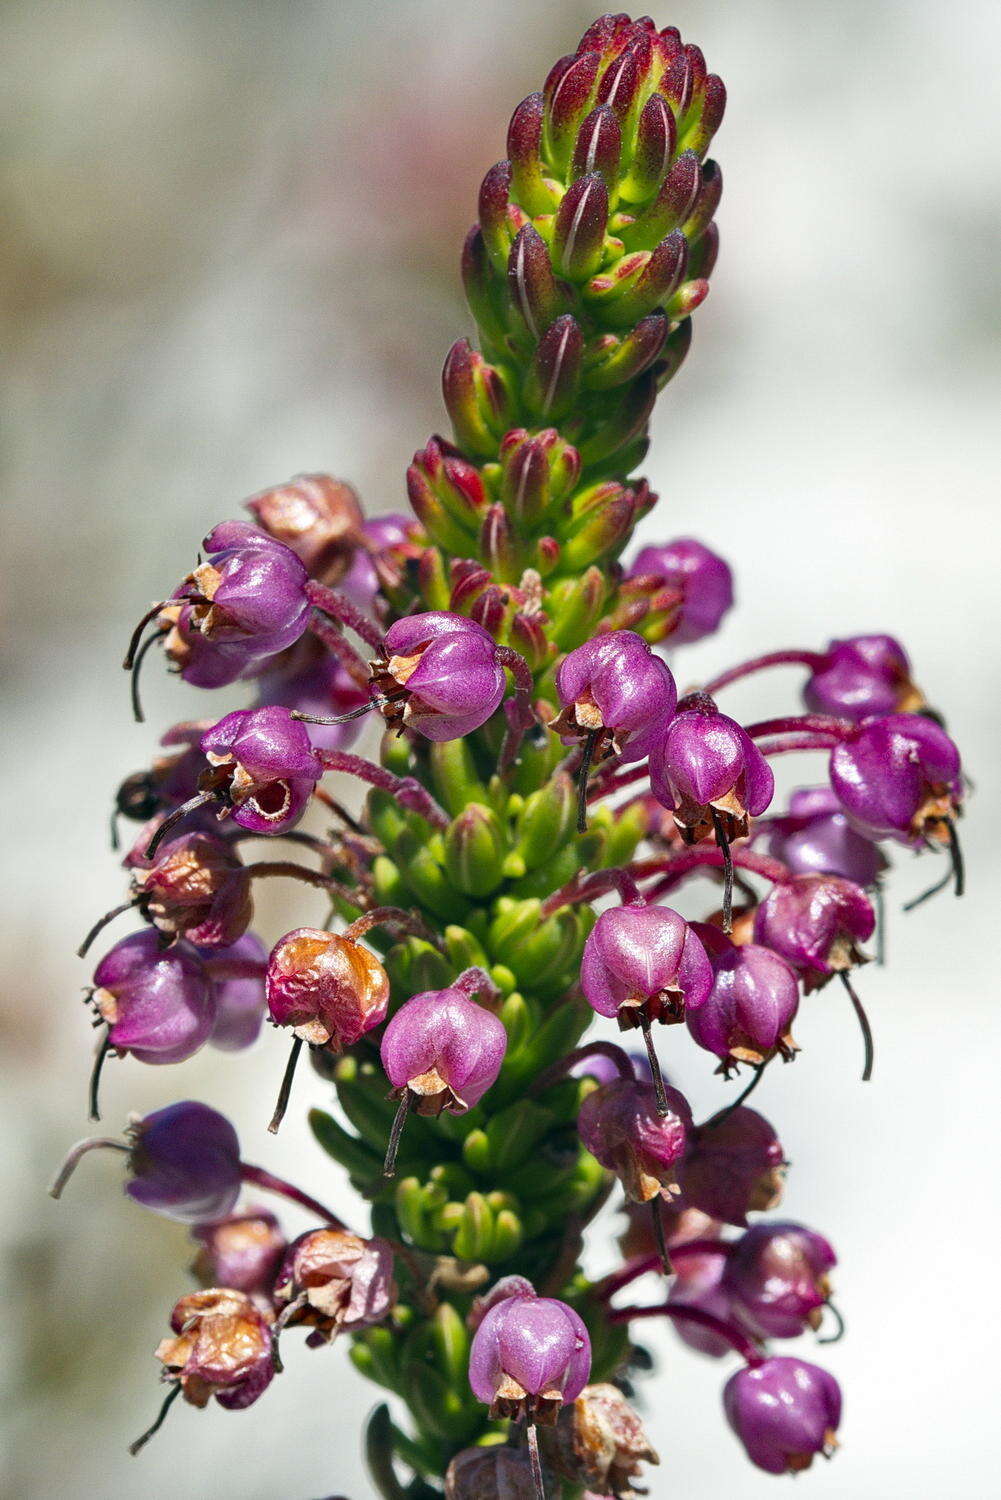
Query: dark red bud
(706, 201)
(708, 115)
(524, 147)
(497, 544)
(599, 145)
(630, 355)
(655, 140)
(476, 400)
(568, 101)
(620, 84)
(579, 231)
(661, 275)
(702, 256)
(480, 281)
(555, 374)
(672, 205)
(531, 282)
(493, 206)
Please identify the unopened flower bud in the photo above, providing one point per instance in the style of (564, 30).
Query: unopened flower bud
(222, 1347)
(439, 675)
(264, 767)
(529, 1356)
(237, 975)
(622, 1126)
(778, 1273)
(184, 1163)
(443, 1050)
(750, 1010)
(318, 517)
(327, 989)
(705, 764)
(242, 1252)
(732, 1167)
(615, 692)
(703, 579)
(899, 777)
(814, 837)
(860, 676)
(196, 887)
(784, 1411)
(643, 964)
(158, 1002)
(331, 1281)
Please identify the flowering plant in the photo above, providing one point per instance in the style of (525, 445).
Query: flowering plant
(542, 791)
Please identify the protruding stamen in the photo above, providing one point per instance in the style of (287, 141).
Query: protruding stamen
(582, 775)
(866, 1029)
(723, 845)
(538, 1481)
(73, 1156)
(958, 867)
(168, 1402)
(393, 1146)
(745, 1093)
(140, 656)
(172, 819)
(150, 614)
(354, 713)
(102, 922)
(839, 1325)
(285, 1091)
(95, 1074)
(659, 1237)
(658, 1077)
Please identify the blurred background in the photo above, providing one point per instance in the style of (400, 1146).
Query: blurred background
(231, 254)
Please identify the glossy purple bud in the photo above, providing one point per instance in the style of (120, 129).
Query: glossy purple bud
(242, 1252)
(440, 675)
(784, 1411)
(247, 601)
(318, 517)
(387, 540)
(900, 778)
(196, 887)
(703, 579)
(264, 766)
(157, 1001)
(750, 1010)
(778, 1273)
(444, 1050)
(237, 975)
(706, 763)
(732, 1167)
(339, 1281)
(622, 1127)
(815, 837)
(816, 923)
(615, 689)
(529, 1355)
(185, 1163)
(862, 675)
(223, 1347)
(644, 963)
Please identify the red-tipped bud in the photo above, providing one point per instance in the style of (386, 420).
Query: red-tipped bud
(531, 283)
(569, 94)
(498, 545)
(481, 285)
(476, 400)
(706, 202)
(656, 283)
(620, 84)
(553, 379)
(499, 218)
(599, 145)
(656, 134)
(579, 230)
(706, 115)
(524, 147)
(689, 296)
(672, 205)
(537, 473)
(620, 360)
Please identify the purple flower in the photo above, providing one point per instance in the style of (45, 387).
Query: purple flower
(816, 923)
(185, 1163)
(158, 1002)
(698, 1283)
(529, 1355)
(318, 517)
(899, 778)
(733, 1167)
(222, 1347)
(327, 989)
(440, 675)
(750, 1009)
(339, 1280)
(383, 535)
(317, 684)
(237, 975)
(777, 1272)
(237, 609)
(701, 577)
(622, 1127)
(242, 1252)
(644, 963)
(784, 1411)
(862, 675)
(815, 838)
(615, 689)
(265, 767)
(444, 1050)
(706, 763)
(196, 887)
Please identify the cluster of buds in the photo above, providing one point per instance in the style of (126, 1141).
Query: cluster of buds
(539, 795)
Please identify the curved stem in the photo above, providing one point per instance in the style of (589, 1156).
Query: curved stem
(518, 710)
(622, 879)
(134, 670)
(286, 1087)
(742, 1097)
(269, 867)
(102, 922)
(476, 981)
(75, 1153)
(340, 608)
(863, 1021)
(797, 742)
(269, 1183)
(94, 1111)
(331, 636)
(407, 789)
(391, 916)
(737, 1340)
(839, 729)
(168, 1402)
(172, 819)
(603, 786)
(705, 855)
(562, 1066)
(812, 659)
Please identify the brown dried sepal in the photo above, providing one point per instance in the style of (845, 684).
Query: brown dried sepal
(221, 1339)
(599, 1442)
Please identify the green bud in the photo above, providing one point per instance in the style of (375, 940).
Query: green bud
(474, 851)
(547, 821)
